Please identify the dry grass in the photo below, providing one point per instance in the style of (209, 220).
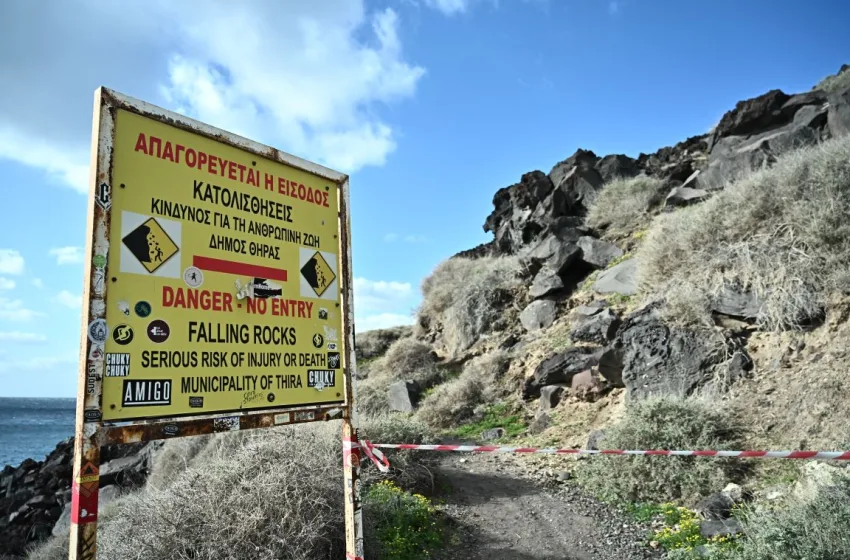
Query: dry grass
(406, 359)
(455, 401)
(464, 298)
(265, 494)
(836, 82)
(665, 423)
(806, 528)
(781, 232)
(375, 343)
(622, 206)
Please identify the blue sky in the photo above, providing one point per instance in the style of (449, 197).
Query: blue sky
(430, 105)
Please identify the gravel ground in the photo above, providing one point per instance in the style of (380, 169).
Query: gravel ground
(501, 512)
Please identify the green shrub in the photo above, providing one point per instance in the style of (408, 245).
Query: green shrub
(464, 298)
(664, 423)
(454, 401)
(406, 525)
(813, 528)
(622, 206)
(780, 232)
(680, 531)
(495, 416)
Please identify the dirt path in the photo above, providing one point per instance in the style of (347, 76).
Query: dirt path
(502, 514)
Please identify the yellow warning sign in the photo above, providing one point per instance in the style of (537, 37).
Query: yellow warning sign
(318, 273)
(150, 244)
(224, 293)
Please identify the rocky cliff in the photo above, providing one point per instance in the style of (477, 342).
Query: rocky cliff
(35, 496)
(543, 221)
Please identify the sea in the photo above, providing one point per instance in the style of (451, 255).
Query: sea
(31, 428)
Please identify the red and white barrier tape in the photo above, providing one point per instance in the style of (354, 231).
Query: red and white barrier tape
(349, 446)
(824, 455)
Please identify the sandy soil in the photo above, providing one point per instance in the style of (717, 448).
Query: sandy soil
(500, 513)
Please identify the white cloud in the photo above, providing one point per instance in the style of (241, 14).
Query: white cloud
(38, 283)
(381, 321)
(66, 167)
(307, 77)
(6, 284)
(448, 7)
(69, 300)
(11, 262)
(22, 337)
(14, 310)
(67, 255)
(393, 237)
(379, 296)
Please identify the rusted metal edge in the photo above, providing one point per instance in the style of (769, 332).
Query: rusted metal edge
(121, 101)
(87, 431)
(165, 429)
(347, 294)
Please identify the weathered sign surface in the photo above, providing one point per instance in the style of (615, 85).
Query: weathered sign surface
(222, 275)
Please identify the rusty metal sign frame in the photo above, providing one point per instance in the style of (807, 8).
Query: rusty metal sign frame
(92, 432)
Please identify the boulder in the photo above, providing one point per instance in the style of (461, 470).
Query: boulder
(683, 196)
(716, 506)
(738, 366)
(493, 434)
(540, 423)
(546, 282)
(599, 328)
(751, 115)
(555, 252)
(659, 359)
(709, 528)
(619, 279)
(403, 396)
(559, 369)
(587, 386)
(734, 492)
(539, 314)
(615, 166)
(584, 311)
(815, 98)
(513, 205)
(594, 439)
(596, 253)
(734, 156)
(838, 118)
(611, 365)
(736, 302)
(550, 396)
(578, 180)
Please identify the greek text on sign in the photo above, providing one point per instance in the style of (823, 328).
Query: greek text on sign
(221, 261)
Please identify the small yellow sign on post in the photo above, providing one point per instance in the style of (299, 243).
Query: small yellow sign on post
(223, 279)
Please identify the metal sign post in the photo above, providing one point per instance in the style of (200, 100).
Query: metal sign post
(218, 294)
